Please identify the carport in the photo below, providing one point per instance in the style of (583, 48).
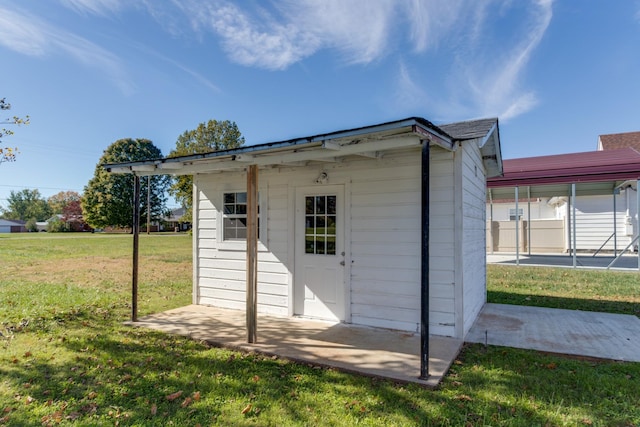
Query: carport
(568, 175)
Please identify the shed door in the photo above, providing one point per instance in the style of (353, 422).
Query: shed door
(319, 287)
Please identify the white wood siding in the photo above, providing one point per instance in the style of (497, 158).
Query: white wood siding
(442, 244)
(473, 234)
(222, 266)
(383, 208)
(594, 222)
(385, 242)
(540, 208)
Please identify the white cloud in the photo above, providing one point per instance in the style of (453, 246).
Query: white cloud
(29, 35)
(271, 45)
(359, 29)
(479, 69)
(96, 7)
(18, 33)
(483, 73)
(499, 94)
(295, 30)
(410, 95)
(362, 32)
(430, 21)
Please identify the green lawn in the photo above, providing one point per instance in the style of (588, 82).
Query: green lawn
(573, 289)
(66, 358)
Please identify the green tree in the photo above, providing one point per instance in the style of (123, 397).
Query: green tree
(8, 154)
(211, 136)
(25, 205)
(67, 205)
(58, 202)
(108, 198)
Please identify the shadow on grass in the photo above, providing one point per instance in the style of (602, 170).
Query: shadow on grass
(584, 304)
(96, 372)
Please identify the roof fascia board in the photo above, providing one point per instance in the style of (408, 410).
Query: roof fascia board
(308, 141)
(508, 182)
(280, 158)
(488, 136)
(316, 154)
(491, 153)
(311, 148)
(440, 139)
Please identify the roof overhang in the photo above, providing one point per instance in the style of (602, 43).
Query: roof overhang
(491, 152)
(486, 133)
(556, 190)
(371, 141)
(593, 173)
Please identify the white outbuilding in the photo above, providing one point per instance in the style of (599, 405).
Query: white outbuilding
(382, 225)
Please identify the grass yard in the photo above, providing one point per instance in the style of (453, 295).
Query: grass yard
(573, 289)
(66, 358)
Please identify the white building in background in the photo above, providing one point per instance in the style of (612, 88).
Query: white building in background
(606, 206)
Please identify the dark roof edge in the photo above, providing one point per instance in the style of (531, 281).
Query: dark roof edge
(396, 124)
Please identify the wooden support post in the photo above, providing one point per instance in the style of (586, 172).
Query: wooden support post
(252, 253)
(135, 230)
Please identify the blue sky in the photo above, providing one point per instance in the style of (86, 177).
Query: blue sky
(89, 72)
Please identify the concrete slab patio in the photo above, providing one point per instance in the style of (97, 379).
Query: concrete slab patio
(369, 351)
(396, 355)
(580, 333)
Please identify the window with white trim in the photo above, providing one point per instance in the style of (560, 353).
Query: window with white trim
(512, 214)
(234, 216)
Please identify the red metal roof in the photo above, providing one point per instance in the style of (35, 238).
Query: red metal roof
(593, 166)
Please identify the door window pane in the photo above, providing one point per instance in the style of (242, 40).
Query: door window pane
(309, 247)
(320, 204)
(331, 205)
(320, 225)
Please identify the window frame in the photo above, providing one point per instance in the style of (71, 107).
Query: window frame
(236, 243)
(512, 214)
(319, 224)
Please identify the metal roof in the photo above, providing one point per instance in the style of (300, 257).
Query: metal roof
(368, 140)
(595, 172)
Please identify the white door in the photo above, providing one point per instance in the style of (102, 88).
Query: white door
(319, 284)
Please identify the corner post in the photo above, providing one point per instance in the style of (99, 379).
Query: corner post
(424, 270)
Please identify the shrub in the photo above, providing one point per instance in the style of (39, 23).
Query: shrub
(57, 225)
(31, 225)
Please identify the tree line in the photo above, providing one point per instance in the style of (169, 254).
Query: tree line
(107, 199)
